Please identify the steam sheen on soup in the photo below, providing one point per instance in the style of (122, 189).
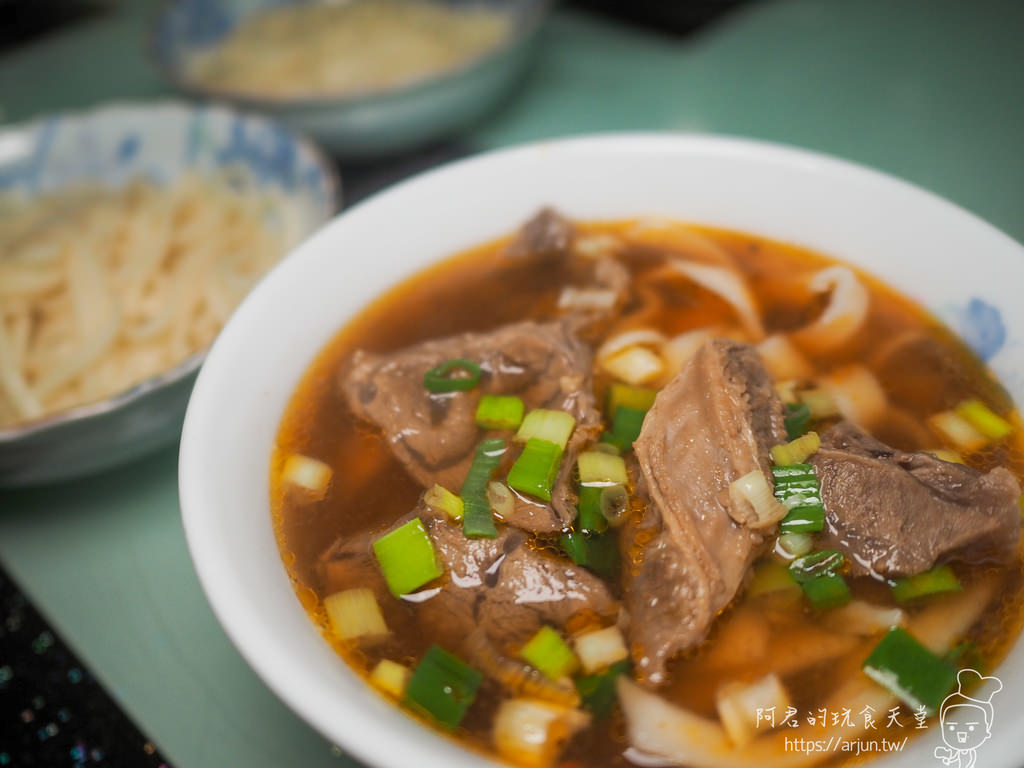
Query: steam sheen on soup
(601, 493)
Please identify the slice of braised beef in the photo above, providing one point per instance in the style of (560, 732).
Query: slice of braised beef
(547, 234)
(715, 422)
(495, 594)
(435, 435)
(898, 514)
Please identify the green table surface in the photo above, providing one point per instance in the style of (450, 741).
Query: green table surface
(930, 90)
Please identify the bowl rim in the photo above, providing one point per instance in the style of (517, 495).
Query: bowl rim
(191, 364)
(195, 509)
(529, 24)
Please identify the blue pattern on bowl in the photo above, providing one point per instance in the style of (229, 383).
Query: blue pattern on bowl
(118, 143)
(111, 146)
(980, 325)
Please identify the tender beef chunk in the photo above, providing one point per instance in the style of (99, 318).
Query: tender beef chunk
(435, 436)
(713, 423)
(897, 513)
(503, 587)
(548, 234)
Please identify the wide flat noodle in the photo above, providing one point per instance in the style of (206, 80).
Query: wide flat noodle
(101, 289)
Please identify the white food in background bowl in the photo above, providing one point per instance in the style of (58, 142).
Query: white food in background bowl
(913, 240)
(110, 148)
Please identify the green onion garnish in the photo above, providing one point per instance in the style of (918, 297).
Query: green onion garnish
(596, 552)
(626, 425)
(796, 486)
(600, 468)
(914, 674)
(804, 518)
(477, 520)
(549, 653)
(828, 591)
(440, 379)
(797, 450)
(536, 469)
(796, 544)
(939, 579)
(984, 419)
(590, 519)
(439, 497)
(407, 558)
(821, 563)
(598, 691)
(544, 424)
(499, 412)
(624, 395)
(797, 420)
(966, 655)
(442, 687)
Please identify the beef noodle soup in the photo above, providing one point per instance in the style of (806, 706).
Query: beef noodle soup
(601, 493)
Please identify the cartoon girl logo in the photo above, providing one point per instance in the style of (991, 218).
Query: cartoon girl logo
(966, 720)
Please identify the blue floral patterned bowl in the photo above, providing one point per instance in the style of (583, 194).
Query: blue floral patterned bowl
(358, 125)
(110, 146)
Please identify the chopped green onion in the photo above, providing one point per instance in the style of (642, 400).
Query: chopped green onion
(477, 520)
(957, 430)
(442, 687)
(590, 519)
(820, 403)
(499, 412)
(391, 677)
(600, 648)
(797, 420)
(598, 691)
(753, 504)
(805, 518)
(602, 469)
(626, 426)
(983, 419)
(439, 497)
(605, 447)
(796, 544)
(536, 469)
(939, 579)
(407, 558)
(771, 576)
(946, 454)
(595, 552)
(553, 426)
(966, 655)
(614, 504)
(796, 486)
(501, 499)
(822, 563)
(354, 613)
(636, 365)
(910, 671)
(827, 591)
(549, 653)
(440, 379)
(309, 474)
(624, 395)
(796, 451)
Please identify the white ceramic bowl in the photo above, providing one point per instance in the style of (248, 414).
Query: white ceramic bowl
(961, 268)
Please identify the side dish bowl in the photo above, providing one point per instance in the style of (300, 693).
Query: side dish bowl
(108, 147)
(908, 237)
(358, 124)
